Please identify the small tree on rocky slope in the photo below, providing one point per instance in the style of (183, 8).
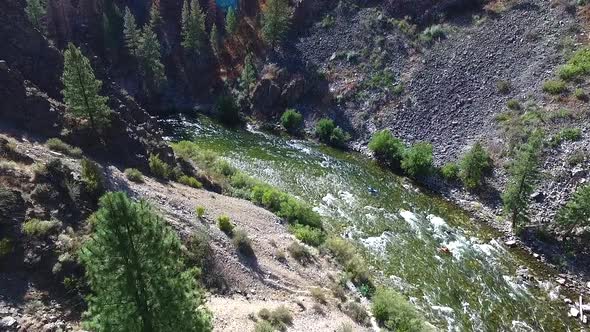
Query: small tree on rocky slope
(231, 21)
(247, 79)
(35, 11)
(575, 215)
(275, 21)
(134, 269)
(81, 89)
(474, 165)
(131, 32)
(523, 174)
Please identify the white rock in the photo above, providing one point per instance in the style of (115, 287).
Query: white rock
(510, 243)
(567, 301)
(8, 321)
(560, 281)
(536, 255)
(573, 312)
(588, 284)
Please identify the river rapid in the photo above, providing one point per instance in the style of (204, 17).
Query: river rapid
(474, 286)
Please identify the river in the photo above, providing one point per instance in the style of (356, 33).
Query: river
(473, 287)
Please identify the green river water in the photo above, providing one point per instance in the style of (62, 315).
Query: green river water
(475, 288)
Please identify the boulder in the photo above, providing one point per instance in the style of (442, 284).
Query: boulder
(266, 96)
(293, 91)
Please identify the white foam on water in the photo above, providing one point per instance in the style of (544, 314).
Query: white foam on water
(485, 248)
(516, 287)
(377, 244)
(520, 326)
(347, 197)
(436, 221)
(370, 217)
(410, 218)
(457, 247)
(329, 199)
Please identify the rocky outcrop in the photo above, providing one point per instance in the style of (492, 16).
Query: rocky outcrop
(276, 90)
(427, 10)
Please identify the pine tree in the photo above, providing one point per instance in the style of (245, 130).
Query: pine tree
(131, 32)
(214, 39)
(212, 13)
(275, 21)
(193, 26)
(523, 171)
(150, 57)
(134, 269)
(231, 21)
(81, 89)
(155, 18)
(35, 11)
(247, 79)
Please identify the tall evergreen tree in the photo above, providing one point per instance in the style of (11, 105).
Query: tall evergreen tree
(212, 13)
(231, 21)
(35, 11)
(247, 79)
(150, 57)
(155, 17)
(523, 171)
(82, 90)
(131, 32)
(134, 269)
(275, 21)
(214, 40)
(193, 26)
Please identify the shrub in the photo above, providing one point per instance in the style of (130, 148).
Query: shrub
(417, 160)
(225, 225)
(391, 310)
(264, 326)
(308, 235)
(158, 167)
(473, 166)
(576, 211)
(5, 247)
(433, 32)
(327, 132)
(292, 121)
(134, 175)
(278, 318)
(357, 312)
(567, 134)
(554, 87)
(577, 157)
(450, 171)
(300, 253)
(503, 86)
(55, 144)
(577, 65)
(345, 327)
(386, 148)
(242, 242)
(92, 176)
(198, 250)
(342, 250)
(227, 110)
(190, 181)
(580, 94)
(200, 210)
(318, 295)
(513, 104)
(39, 228)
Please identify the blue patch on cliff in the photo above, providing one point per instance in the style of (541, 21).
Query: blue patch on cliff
(227, 3)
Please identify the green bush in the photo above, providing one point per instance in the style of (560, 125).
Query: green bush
(225, 225)
(328, 133)
(392, 311)
(433, 32)
(580, 94)
(354, 265)
(578, 65)
(575, 213)
(300, 253)
(318, 295)
(158, 167)
(292, 121)
(513, 104)
(450, 171)
(227, 110)
(554, 87)
(134, 175)
(567, 134)
(242, 242)
(5, 247)
(308, 235)
(55, 144)
(264, 326)
(200, 210)
(387, 149)
(474, 165)
(39, 228)
(190, 181)
(417, 160)
(92, 176)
